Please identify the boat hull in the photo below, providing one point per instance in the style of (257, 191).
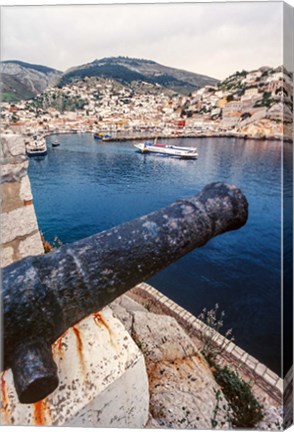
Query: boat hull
(168, 150)
(37, 148)
(36, 153)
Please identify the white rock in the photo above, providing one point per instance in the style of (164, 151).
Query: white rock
(183, 395)
(6, 256)
(161, 337)
(18, 222)
(32, 245)
(17, 145)
(25, 189)
(123, 307)
(13, 172)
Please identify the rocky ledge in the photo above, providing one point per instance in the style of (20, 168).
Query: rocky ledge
(183, 391)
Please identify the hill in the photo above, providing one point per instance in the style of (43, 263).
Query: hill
(127, 70)
(20, 80)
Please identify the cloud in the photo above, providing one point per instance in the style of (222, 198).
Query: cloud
(215, 39)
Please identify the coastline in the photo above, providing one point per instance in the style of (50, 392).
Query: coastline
(124, 138)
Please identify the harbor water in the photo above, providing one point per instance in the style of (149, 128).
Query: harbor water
(85, 186)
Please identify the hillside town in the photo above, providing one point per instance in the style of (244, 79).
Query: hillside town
(256, 104)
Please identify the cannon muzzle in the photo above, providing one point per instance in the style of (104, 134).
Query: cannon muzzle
(45, 295)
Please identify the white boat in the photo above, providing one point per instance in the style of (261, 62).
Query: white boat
(37, 147)
(166, 149)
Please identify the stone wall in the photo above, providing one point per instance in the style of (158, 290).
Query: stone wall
(20, 236)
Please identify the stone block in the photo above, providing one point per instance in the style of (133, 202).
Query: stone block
(16, 145)
(103, 380)
(32, 245)
(268, 378)
(118, 409)
(17, 223)
(25, 189)
(10, 197)
(260, 369)
(123, 307)
(6, 256)
(13, 145)
(13, 172)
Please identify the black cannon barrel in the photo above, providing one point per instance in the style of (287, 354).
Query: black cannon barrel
(45, 295)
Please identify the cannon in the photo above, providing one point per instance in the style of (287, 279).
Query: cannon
(45, 295)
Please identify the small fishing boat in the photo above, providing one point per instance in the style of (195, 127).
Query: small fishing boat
(98, 135)
(166, 149)
(37, 147)
(106, 137)
(55, 143)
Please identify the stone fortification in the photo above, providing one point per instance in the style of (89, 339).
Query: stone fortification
(20, 235)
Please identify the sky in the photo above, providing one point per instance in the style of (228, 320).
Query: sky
(214, 39)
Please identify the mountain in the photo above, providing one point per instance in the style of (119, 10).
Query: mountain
(126, 70)
(20, 80)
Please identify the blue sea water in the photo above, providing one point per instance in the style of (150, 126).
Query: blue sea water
(86, 186)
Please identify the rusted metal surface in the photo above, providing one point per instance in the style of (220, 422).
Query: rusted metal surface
(45, 295)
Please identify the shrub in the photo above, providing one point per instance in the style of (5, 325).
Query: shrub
(213, 319)
(246, 410)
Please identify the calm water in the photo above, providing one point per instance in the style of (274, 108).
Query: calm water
(85, 186)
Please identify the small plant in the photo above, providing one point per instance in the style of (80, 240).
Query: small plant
(48, 247)
(218, 408)
(214, 322)
(246, 410)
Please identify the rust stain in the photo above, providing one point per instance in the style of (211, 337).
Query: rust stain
(202, 361)
(57, 345)
(4, 400)
(79, 345)
(98, 318)
(28, 202)
(39, 413)
(42, 415)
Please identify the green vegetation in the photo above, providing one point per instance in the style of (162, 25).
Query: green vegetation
(218, 408)
(233, 82)
(266, 101)
(244, 410)
(9, 97)
(113, 71)
(61, 102)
